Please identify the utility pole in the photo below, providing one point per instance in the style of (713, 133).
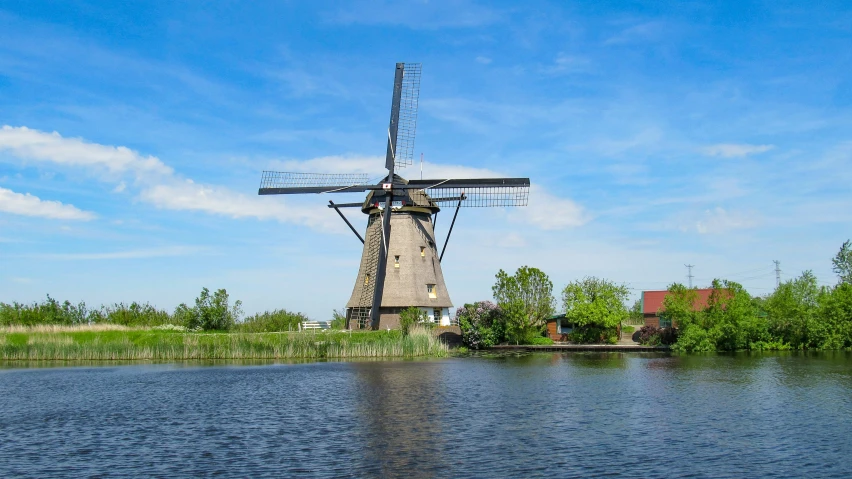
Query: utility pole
(777, 272)
(689, 267)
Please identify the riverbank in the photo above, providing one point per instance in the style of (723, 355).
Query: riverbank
(123, 344)
(635, 348)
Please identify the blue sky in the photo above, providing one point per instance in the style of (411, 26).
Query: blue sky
(656, 134)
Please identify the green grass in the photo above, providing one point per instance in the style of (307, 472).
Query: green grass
(147, 344)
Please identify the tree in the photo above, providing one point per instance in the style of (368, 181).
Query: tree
(792, 309)
(833, 329)
(526, 299)
(728, 322)
(595, 301)
(842, 263)
(636, 314)
(211, 312)
(596, 307)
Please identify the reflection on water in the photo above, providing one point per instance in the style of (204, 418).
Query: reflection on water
(538, 415)
(399, 409)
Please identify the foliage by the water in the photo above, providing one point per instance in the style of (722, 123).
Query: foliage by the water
(842, 262)
(799, 315)
(482, 324)
(596, 308)
(526, 299)
(412, 317)
(210, 312)
(119, 343)
(271, 321)
(593, 334)
(654, 336)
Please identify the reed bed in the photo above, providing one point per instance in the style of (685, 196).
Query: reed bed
(62, 328)
(128, 344)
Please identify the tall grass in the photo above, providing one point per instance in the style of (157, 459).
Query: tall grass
(52, 312)
(135, 344)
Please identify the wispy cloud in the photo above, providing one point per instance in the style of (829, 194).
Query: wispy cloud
(719, 220)
(166, 190)
(564, 63)
(550, 212)
(641, 32)
(167, 251)
(734, 150)
(418, 14)
(483, 60)
(26, 204)
(546, 211)
(157, 183)
(190, 196)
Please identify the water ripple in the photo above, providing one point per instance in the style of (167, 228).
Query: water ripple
(542, 415)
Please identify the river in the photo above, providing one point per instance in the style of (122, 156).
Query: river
(535, 415)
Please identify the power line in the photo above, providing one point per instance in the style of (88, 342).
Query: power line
(690, 276)
(777, 272)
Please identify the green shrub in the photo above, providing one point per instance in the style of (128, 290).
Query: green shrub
(338, 320)
(272, 321)
(593, 335)
(654, 336)
(411, 317)
(540, 341)
(482, 324)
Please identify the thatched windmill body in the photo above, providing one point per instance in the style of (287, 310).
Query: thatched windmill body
(400, 264)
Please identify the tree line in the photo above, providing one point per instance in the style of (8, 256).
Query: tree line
(211, 311)
(524, 302)
(799, 314)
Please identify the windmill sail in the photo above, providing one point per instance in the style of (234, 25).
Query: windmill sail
(287, 183)
(476, 192)
(408, 102)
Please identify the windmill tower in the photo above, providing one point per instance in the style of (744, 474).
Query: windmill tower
(402, 269)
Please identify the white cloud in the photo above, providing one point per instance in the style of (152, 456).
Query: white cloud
(165, 190)
(512, 240)
(550, 212)
(26, 143)
(719, 220)
(732, 150)
(545, 210)
(28, 205)
(167, 251)
(190, 196)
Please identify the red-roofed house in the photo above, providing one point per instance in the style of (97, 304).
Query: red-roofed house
(654, 312)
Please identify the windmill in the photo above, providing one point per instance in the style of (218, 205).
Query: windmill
(400, 265)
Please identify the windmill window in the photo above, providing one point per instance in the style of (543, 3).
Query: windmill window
(396, 261)
(436, 313)
(430, 288)
(423, 251)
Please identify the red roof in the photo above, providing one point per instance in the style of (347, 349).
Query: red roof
(652, 301)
